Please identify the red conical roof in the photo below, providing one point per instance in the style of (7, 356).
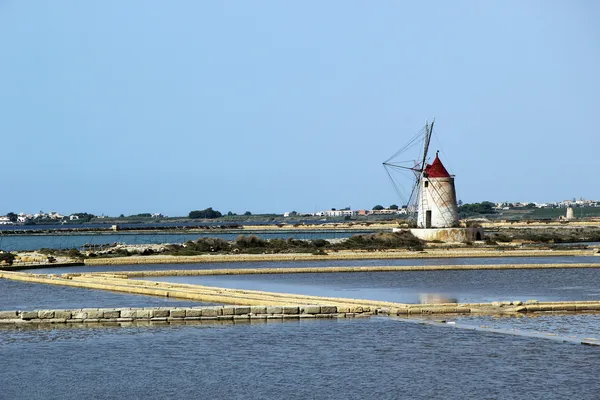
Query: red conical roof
(436, 169)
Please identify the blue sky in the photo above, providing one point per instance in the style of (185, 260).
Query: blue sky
(149, 106)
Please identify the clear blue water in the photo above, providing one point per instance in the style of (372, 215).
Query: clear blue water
(26, 228)
(326, 263)
(69, 241)
(472, 286)
(564, 325)
(27, 296)
(321, 359)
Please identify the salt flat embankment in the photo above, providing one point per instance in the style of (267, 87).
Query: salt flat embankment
(329, 270)
(118, 283)
(340, 255)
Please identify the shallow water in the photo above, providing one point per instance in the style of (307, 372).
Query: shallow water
(329, 359)
(568, 325)
(27, 296)
(325, 263)
(471, 286)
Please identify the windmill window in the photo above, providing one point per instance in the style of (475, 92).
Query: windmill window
(426, 183)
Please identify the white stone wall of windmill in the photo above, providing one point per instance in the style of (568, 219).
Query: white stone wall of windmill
(437, 199)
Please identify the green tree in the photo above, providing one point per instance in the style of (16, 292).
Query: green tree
(207, 213)
(485, 207)
(6, 258)
(85, 217)
(393, 207)
(247, 213)
(12, 216)
(74, 253)
(378, 207)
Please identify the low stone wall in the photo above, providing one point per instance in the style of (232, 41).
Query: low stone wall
(449, 235)
(168, 314)
(247, 313)
(494, 308)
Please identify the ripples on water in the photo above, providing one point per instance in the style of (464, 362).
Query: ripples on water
(329, 359)
(569, 325)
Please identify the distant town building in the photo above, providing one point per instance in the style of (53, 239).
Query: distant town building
(334, 213)
(558, 204)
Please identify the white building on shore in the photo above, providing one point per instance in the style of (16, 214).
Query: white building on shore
(5, 221)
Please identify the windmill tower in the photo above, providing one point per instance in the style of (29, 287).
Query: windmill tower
(437, 197)
(570, 214)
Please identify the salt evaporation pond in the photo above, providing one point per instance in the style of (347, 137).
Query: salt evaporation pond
(330, 359)
(27, 296)
(324, 263)
(471, 286)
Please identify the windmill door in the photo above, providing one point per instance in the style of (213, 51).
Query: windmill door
(428, 219)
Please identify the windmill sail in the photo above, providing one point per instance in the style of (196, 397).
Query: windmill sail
(405, 171)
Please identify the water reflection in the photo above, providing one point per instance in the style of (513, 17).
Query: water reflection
(436, 298)
(469, 286)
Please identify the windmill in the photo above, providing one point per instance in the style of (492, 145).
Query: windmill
(427, 190)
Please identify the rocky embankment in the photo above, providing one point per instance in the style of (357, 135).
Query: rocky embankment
(178, 314)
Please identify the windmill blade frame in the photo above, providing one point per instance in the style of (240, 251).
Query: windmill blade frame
(408, 193)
